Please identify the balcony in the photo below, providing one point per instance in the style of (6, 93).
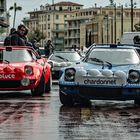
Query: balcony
(3, 24)
(2, 18)
(2, 8)
(73, 27)
(58, 40)
(58, 30)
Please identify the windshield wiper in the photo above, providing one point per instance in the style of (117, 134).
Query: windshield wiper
(61, 58)
(109, 64)
(98, 60)
(102, 62)
(6, 61)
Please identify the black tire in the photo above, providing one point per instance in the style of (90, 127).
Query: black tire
(48, 85)
(84, 102)
(40, 89)
(137, 102)
(65, 99)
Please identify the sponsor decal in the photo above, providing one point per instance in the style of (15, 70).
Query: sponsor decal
(7, 76)
(100, 82)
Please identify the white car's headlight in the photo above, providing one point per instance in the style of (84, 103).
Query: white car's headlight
(70, 74)
(63, 64)
(134, 76)
(69, 63)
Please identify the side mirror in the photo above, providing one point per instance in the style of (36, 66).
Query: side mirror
(38, 57)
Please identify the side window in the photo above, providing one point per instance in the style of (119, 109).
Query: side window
(138, 50)
(32, 55)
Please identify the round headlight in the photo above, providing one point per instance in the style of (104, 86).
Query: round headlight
(25, 82)
(28, 70)
(133, 77)
(70, 74)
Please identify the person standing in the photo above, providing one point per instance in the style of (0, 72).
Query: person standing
(16, 38)
(48, 48)
(8, 38)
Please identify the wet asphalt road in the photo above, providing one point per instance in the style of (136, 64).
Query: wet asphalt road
(23, 117)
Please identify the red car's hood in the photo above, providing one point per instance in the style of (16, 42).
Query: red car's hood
(14, 70)
(11, 66)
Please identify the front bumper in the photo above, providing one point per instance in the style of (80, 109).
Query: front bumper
(102, 93)
(16, 85)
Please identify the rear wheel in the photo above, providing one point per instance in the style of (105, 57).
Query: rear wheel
(65, 99)
(40, 89)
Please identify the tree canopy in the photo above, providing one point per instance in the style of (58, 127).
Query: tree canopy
(36, 34)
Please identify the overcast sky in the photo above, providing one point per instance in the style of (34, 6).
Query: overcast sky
(30, 5)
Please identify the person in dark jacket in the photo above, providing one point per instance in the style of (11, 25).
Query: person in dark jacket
(16, 38)
(48, 48)
(8, 38)
(136, 39)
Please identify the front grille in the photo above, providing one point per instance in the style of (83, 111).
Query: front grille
(10, 84)
(100, 92)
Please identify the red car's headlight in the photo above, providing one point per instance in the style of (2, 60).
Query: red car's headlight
(28, 70)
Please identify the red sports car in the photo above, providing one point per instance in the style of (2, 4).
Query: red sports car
(21, 68)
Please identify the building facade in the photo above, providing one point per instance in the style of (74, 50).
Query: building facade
(4, 20)
(100, 25)
(68, 24)
(50, 20)
(2, 12)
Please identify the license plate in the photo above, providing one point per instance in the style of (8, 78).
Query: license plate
(112, 81)
(7, 76)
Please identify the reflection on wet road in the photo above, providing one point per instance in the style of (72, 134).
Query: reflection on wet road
(23, 117)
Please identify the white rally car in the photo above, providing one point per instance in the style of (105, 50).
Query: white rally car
(108, 72)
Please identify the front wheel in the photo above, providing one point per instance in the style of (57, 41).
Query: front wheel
(40, 89)
(65, 99)
(48, 85)
(137, 102)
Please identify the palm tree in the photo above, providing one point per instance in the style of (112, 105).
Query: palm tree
(15, 7)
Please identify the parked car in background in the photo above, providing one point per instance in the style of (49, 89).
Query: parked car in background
(108, 72)
(130, 38)
(42, 51)
(21, 68)
(61, 59)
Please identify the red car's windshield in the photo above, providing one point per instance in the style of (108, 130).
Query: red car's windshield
(15, 55)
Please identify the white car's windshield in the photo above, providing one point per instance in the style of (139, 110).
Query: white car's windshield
(65, 56)
(114, 56)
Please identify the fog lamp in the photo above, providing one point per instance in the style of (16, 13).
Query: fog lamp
(25, 82)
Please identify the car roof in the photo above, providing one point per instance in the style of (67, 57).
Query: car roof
(65, 51)
(116, 46)
(16, 47)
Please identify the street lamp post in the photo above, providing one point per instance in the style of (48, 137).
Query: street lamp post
(122, 20)
(131, 15)
(111, 30)
(115, 27)
(15, 8)
(107, 32)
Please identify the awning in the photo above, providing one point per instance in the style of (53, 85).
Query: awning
(3, 24)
